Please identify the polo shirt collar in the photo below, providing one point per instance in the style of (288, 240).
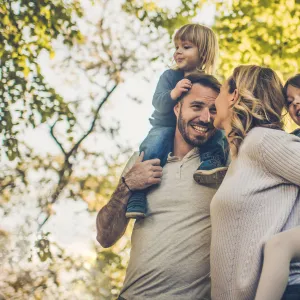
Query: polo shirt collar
(193, 153)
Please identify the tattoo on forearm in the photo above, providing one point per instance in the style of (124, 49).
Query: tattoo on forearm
(111, 220)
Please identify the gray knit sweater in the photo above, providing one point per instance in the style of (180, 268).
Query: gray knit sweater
(258, 198)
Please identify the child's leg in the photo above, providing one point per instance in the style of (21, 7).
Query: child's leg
(296, 132)
(213, 155)
(158, 144)
(292, 292)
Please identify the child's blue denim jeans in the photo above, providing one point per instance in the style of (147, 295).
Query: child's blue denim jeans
(158, 143)
(296, 132)
(160, 140)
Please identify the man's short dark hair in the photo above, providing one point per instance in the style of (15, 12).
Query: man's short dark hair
(203, 79)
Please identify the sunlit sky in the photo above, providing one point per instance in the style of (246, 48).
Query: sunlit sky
(72, 226)
(119, 107)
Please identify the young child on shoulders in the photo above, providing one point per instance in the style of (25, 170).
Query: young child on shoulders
(196, 50)
(280, 277)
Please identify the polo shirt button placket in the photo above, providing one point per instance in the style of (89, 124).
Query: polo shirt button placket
(178, 172)
(180, 168)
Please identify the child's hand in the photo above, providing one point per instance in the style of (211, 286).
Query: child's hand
(182, 86)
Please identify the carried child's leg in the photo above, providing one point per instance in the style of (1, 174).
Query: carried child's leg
(296, 132)
(213, 155)
(158, 144)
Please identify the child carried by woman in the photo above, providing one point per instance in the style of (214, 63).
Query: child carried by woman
(279, 278)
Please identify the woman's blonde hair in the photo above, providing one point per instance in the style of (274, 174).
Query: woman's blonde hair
(260, 101)
(205, 40)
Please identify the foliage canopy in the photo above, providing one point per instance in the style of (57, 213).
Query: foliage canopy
(26, 29)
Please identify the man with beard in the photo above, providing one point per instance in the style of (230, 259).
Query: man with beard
(170, 248)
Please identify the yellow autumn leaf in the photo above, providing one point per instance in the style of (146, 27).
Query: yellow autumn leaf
(6, 20)
(46, 12)
(26, 71)
(52, 54)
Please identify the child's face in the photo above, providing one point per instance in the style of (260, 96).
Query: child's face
(186, 55)
(293, 98)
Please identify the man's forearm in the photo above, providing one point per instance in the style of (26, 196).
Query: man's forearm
(111, 220)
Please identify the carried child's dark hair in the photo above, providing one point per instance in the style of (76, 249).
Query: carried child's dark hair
(293, 81)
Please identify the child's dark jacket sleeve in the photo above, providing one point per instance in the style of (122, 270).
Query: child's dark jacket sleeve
(162, 100)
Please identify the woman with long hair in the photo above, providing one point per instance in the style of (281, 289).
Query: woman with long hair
(260, 191)
(283, 249)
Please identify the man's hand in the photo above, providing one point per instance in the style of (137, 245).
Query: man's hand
(111, 219)
(144, 173)
(182, 86)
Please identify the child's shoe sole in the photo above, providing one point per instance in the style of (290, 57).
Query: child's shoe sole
(135, 215)
(209, 177)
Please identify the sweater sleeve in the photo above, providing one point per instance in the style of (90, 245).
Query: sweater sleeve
(280, 153)
(162, 100)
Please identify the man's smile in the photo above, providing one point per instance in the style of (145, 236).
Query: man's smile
(200, 129)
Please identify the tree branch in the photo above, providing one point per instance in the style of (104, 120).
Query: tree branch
(55, 139)
(9, 184)
(75, 147)
(67, 166)
(63, 181)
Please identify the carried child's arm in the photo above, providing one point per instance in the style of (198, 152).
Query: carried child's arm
(167, 91)
(182, 86)
(278, 253)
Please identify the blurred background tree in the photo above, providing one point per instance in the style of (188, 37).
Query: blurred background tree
(250, 32)
(94, 49)
(26, 29)
(99, 59)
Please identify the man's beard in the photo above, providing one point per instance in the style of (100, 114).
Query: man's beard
(198, 140)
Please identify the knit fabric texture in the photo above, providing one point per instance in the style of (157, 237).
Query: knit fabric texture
(258, 198)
